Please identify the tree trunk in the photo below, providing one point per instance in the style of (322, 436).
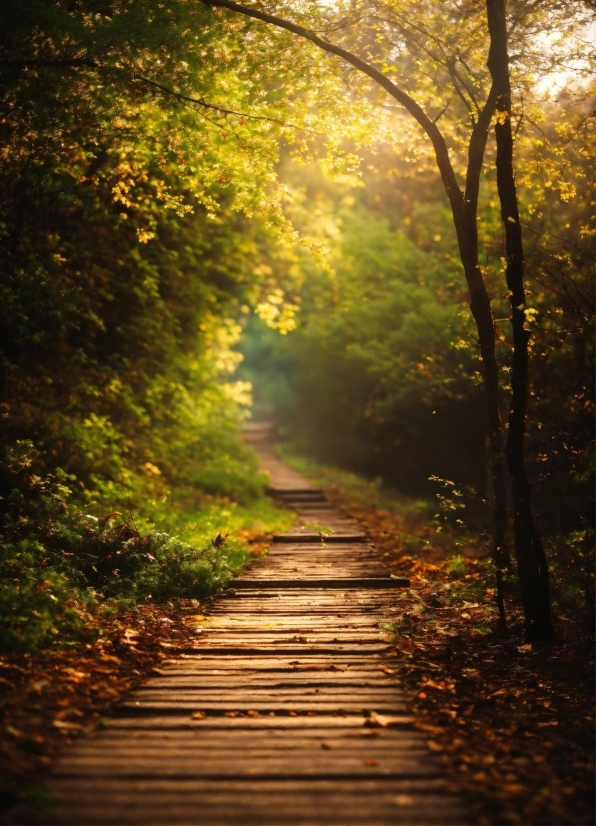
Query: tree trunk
(483, 316)
(531, 559)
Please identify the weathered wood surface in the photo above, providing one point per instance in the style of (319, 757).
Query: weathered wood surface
(270, 717)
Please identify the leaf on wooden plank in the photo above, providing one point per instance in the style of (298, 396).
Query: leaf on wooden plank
(434, 746)
(383, 720)
(66, 725)
(370, 762)
(403, 800)
(198, 715)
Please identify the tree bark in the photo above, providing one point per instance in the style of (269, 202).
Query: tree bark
(531, 559)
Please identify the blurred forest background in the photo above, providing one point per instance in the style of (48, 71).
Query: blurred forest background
(191, 213)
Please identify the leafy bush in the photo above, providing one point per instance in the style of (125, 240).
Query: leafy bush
(57, 562)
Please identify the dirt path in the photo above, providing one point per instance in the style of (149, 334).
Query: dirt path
(285, 711)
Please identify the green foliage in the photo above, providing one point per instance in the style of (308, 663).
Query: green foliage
(58, 563)
(456, 566)
(125, 266)
(380, 376)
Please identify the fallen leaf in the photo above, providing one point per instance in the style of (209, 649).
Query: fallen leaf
(198, 715)
(403, 800)
(66, 725)
(428, 683)
(434, 746)
(383, 720)
(406, 646)
(430, 728)
(514, 788)
(371, 762)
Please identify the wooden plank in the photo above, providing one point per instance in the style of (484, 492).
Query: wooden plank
(216, 698)
(211, 731)
(262, 636)
(240, 680)
(297, 650)
(314, 582)
(307, 538)
(281, 722)
(302, 621)
(373, 802)
(188, 704)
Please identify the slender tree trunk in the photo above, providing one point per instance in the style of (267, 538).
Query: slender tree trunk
(483, 316)
(531, 559)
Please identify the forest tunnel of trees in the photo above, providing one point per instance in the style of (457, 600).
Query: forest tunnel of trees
(372, 223)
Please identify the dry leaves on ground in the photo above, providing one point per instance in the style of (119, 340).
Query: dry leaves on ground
(513, 722)
(53, 697)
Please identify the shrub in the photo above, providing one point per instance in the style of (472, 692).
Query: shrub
(57, 563)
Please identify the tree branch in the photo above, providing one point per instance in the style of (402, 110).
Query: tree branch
(476, 151)
(203, 102)
(441, 152)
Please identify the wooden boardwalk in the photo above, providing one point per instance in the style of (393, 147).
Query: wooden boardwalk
(270, 718)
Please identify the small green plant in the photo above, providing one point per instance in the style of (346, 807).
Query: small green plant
(456, 566)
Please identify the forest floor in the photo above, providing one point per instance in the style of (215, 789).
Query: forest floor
(513, 722)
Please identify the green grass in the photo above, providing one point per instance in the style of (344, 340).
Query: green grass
(64, 566)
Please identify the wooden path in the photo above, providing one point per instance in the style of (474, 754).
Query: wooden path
(270, 719)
